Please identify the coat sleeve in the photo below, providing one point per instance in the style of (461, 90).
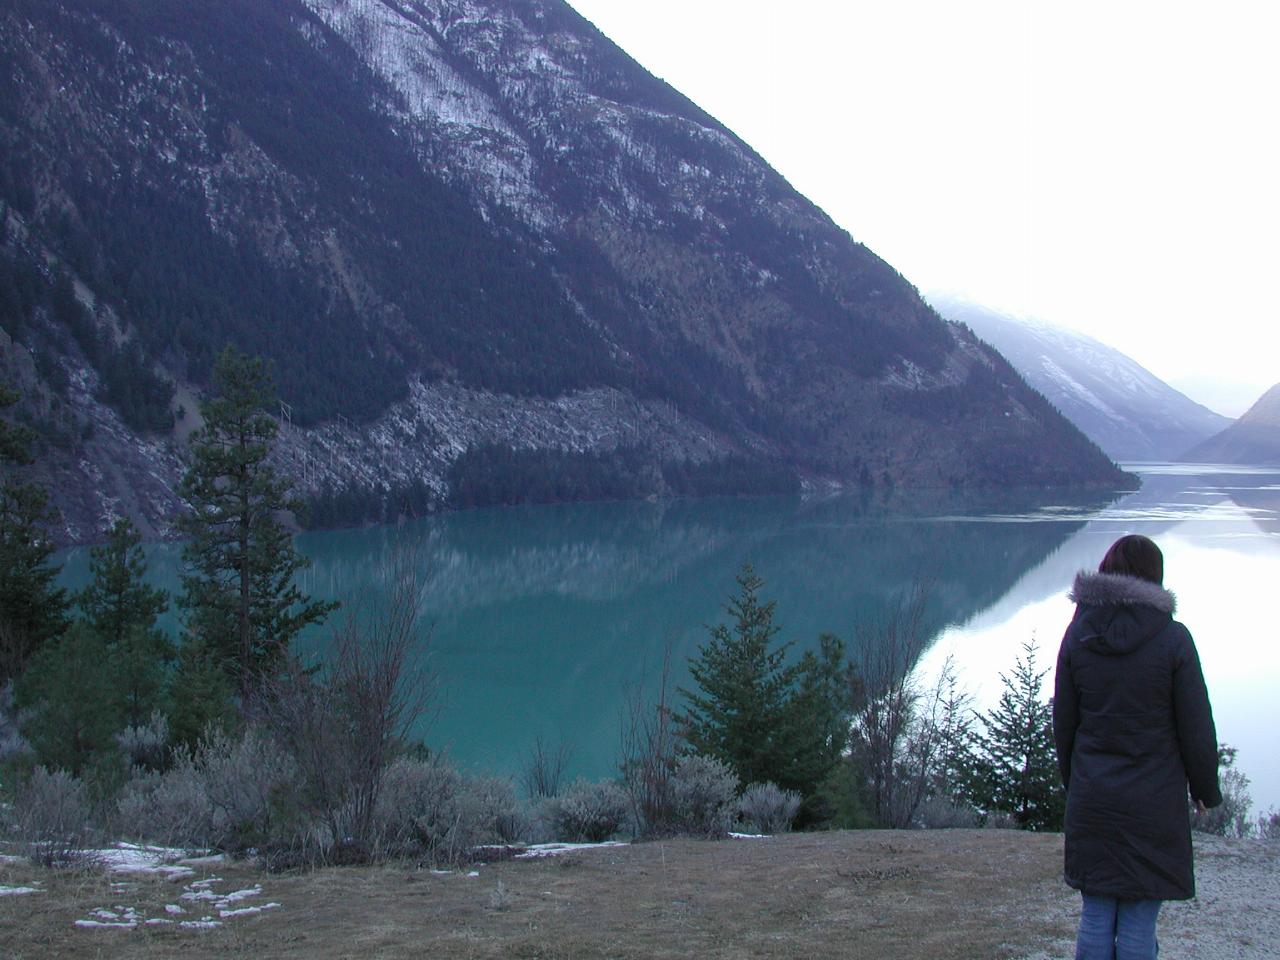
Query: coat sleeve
(1197, 737)
(1066, 712)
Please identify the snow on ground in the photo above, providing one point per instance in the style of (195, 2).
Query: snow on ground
(18, 891)
(555, 849)
(132, 858)
(200, 906)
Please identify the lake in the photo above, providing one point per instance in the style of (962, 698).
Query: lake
(545, 621)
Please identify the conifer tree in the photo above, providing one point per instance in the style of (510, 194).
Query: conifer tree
(740, 713)
(70, 695)
(198, 696)
(122, 609)
(32, 609)
(769, 721)
(1017, 767)
(118, 599)
(818, 716)
(238, 586)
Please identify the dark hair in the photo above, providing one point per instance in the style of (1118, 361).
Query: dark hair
(1135, 556)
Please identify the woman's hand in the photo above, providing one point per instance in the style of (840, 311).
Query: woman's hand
(1201, 808)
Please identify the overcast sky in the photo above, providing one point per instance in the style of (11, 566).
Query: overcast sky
(1110, 167)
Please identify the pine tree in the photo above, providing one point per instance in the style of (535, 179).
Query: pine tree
(199, 695)
(122, 609)
(239, 591)
(32, 610)
(74, 717)
(118, 599)
(744, 682)
(1018, 771)
(818, 715)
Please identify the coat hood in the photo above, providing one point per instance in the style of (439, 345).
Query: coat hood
(1117, 614)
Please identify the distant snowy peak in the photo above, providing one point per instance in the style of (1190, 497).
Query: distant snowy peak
(1253, 439)
(1123, 407)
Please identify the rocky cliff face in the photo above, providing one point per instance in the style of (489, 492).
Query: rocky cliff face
(449, 224)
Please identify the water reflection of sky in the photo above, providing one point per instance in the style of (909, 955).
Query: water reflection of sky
(543, 620)
(1222, 559)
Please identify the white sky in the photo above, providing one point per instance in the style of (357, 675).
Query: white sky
(1111, 167)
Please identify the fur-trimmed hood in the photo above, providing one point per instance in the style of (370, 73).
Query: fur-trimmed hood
(1107, 589)
(1118, 614)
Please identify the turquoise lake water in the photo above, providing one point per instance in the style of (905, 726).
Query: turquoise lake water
(545, 621)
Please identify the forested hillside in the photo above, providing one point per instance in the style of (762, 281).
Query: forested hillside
(449, 224)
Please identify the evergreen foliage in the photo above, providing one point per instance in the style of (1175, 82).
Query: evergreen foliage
(767, 720)
(239, 592)
(199, 696)
(744, 683)
(353, 505)
(32, 609)
(1017, 770)
(500, 475)
(69, 688)
(117, 599)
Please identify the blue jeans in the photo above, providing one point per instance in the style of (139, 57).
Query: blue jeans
(1112, 929)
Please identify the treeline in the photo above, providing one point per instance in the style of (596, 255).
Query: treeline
(499, 475)
(859, 741)
(352, 505)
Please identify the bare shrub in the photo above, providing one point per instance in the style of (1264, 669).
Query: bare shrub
(544, 771)
(895, 763)
(767, 808)
(1231, 817)
(427, 807)
(147, 745)
(500, 897)
(345, 727)
(648, 756)
(1269, 824)
(588, 812)
(250, 782)
(171, 808)
(53, 818)
(940, 813)
(495, 810)
(703, 795)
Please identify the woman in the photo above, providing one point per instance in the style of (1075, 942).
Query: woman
(1134, 730)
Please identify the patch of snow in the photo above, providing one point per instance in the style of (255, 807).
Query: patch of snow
(18, 891)
(198, 890)
(204, 861)
(1071, 385)
(246, 911)
(750, 836)
(132, 858)
(555, 849)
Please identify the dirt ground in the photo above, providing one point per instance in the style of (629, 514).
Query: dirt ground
(933, 895)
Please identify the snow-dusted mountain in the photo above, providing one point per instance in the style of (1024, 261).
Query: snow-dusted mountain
(1253, 439)
(479, 244)
(1124, 408)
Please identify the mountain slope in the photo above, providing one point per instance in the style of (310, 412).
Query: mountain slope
(453, 224)
(1253, 439)
(1123, 407)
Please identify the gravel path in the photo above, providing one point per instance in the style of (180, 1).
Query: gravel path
(1236, 913)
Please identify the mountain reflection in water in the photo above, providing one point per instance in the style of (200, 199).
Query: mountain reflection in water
(544, 620)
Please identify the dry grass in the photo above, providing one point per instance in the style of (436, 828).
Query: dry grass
(941, 895)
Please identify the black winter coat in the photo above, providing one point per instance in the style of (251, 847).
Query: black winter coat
(1134, 730)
